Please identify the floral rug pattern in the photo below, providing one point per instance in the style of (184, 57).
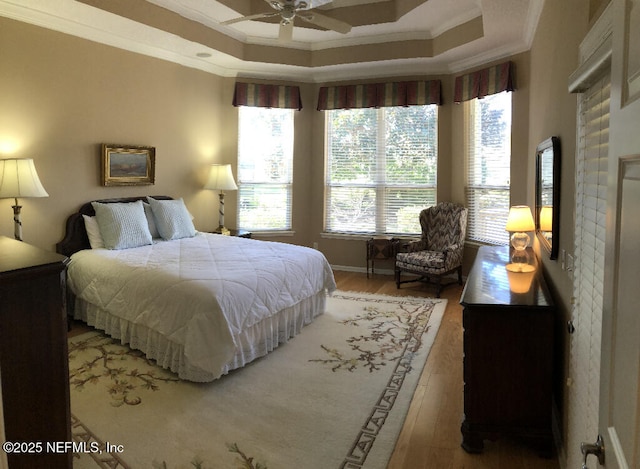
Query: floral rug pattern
(383, 333)
(127, 373)
(395, 328)
(391, 331)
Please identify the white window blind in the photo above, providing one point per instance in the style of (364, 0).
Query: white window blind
(265, 168)
(488, 158)
(381, 168)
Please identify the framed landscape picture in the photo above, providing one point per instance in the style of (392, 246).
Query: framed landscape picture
(128, 165)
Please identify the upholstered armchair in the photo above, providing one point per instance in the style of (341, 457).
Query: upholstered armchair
(439, 251)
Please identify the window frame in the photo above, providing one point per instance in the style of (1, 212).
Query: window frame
(487, 228)
(380, 184)
(256, 156)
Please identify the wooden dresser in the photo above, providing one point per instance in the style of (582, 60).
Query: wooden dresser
(508, 321)
(34, 364)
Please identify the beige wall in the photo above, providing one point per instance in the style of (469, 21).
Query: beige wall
(64, 96)
(61, 97)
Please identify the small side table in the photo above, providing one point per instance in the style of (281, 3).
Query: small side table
(380, 248)
(241, 233)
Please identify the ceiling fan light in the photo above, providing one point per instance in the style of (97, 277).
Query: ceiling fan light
(288, 14)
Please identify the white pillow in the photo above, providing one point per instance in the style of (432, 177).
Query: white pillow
(122, 225)
(93, 232)
(172, 218)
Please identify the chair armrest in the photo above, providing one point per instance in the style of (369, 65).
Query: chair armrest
(453, 253)
(411, 245)
(454, 247)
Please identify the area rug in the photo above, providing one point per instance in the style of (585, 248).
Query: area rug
(335, 396)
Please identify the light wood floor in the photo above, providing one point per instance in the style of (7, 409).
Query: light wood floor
(431, 435)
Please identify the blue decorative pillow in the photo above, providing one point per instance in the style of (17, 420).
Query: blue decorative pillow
(122, 225)
(173, 220)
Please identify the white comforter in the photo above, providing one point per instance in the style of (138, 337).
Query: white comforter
(200, 292)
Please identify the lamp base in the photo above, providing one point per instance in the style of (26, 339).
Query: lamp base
(17, 222)
(520, 267)
(223, 231)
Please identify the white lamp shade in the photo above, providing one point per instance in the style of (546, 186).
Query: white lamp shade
(18, 178)
(520, 219)
(546, 218)
(221, 178)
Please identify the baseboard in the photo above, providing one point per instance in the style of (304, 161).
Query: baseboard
(363, 270)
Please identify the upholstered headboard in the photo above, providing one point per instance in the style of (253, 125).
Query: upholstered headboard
(75, 238)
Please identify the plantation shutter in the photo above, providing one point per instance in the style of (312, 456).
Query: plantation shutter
(591, 204)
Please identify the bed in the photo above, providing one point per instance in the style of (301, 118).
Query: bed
(199, 304)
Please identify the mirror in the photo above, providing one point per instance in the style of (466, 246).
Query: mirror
(547, 213)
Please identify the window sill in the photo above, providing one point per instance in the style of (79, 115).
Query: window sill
(365, 236)
(272, 234)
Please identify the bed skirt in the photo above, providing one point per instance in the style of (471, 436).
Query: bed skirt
(255, 342)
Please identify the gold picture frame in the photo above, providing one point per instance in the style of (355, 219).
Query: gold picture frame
(128, 165)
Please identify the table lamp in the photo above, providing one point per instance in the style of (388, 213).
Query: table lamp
(520, 221)
(546, 222)
(18, 178)
(221, 178)
(546, 218)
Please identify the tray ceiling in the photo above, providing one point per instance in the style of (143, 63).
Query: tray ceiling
(387, 37)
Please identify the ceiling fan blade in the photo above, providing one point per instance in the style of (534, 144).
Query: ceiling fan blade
(334, 4)
(317, 3)
(250, 17)
(286, 31)
(274, 4)
(325, 21)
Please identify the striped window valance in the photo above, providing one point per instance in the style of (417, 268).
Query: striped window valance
(484, 82)
(273, 96)
(404, 93)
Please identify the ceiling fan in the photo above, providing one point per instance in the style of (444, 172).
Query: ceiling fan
(288, 10)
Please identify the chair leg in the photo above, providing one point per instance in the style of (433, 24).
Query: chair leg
(460, 275)
(397, 275)
(438, 286)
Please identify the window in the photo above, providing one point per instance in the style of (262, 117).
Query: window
(488, 142)
(265, 168)
(381, 168)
